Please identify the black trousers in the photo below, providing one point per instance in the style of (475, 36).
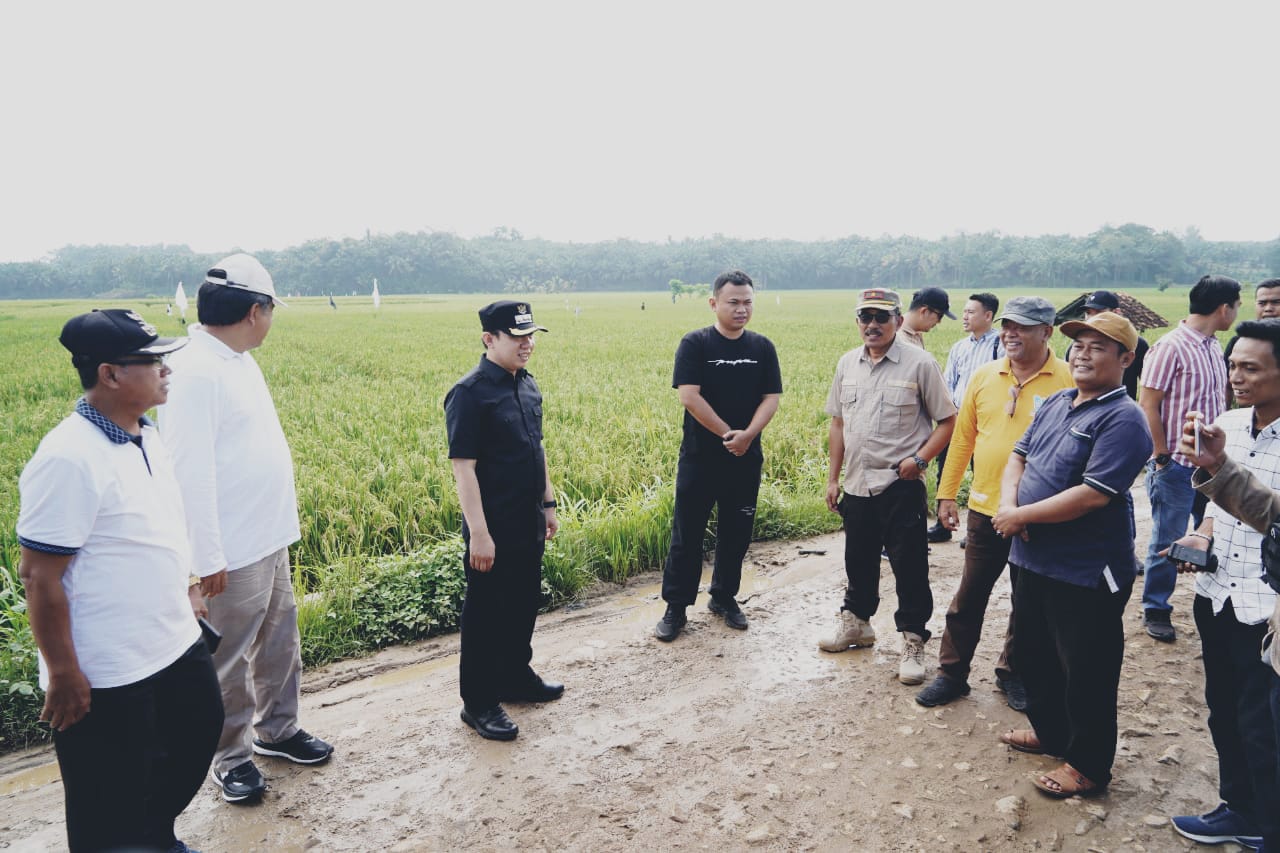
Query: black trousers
(1069, 644)
(134, 762)
(498, 614)
(895, 521)
(1237, 689)
(731, 484)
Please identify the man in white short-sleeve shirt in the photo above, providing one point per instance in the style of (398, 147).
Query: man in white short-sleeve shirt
(130, 690)
(236, 472)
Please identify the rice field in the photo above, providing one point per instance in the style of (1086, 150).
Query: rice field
(360, 393)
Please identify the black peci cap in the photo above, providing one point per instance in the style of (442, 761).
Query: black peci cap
(514, 318)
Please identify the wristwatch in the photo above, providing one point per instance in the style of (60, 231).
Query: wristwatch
(921, 462)
(1163, 459)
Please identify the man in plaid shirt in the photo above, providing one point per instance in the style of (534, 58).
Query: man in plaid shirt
(1231, 608)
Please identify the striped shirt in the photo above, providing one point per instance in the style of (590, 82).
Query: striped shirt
(1240, 577)
(1189, 368)
(967, 355)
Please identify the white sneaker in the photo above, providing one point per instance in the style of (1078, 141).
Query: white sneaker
(852, 631)
(911, 670)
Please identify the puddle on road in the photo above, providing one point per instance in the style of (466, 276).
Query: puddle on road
(32, 777)
(413, 672)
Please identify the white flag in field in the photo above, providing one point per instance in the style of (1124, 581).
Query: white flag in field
(180, 299)
(377, 297)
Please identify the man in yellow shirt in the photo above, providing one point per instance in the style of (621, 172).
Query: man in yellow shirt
(996, 410)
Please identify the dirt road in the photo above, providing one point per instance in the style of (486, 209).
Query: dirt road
(720, 740)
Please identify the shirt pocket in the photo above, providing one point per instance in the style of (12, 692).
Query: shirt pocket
(1075, 452)
(899, 412)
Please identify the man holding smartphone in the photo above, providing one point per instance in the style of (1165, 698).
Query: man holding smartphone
(1231, 607)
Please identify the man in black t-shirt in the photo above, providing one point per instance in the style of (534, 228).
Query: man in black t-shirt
(729, 383)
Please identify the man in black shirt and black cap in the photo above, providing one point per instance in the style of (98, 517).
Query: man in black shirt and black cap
(494, 419)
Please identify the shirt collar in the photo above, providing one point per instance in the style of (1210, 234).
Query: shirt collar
(1006, 365)
(199, 334)
(108, 427)
(1113, 394)
(1194, 335)
(892, 353)
(977, 339)
(496, 373)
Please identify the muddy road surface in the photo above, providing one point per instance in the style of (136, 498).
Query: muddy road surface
(750, 740)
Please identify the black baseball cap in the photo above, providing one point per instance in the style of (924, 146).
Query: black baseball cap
(108, 334)
(935, 298)
(1102, 300)
(514, 318)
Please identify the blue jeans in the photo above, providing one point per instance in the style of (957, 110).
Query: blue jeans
(1169, 489)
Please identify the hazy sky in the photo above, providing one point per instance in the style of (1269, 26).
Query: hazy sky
(263, 124)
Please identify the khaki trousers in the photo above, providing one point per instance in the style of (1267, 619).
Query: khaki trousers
(259, 661)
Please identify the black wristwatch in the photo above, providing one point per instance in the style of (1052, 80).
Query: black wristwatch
(921, 462)
(1163, 459)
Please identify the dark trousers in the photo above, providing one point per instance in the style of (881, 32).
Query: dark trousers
(498, 613)
(1069, 644)
(732, 485)
(985, 557)
(895, 521)
(1237, 689)
(134, 762)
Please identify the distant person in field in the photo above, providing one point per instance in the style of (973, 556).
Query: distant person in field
(891, 416)
(130, 692)
(494, 420)
(1062, 505)
(236, 471)
(730, 385)
(928, 306)
(980, 345)
(998, 405)
(1266, 304)
(1104, 300)
(1185, 371)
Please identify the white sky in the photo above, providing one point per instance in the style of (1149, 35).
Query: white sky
(262, 124)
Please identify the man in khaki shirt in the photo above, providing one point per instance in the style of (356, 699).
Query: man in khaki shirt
(884, 403)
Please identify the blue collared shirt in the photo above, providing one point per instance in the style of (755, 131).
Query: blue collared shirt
(966, 356)
(1102, 443)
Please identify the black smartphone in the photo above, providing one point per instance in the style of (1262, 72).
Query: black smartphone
(1204, 561)
(210, 634)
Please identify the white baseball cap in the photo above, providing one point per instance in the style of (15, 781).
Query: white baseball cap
(244, 272)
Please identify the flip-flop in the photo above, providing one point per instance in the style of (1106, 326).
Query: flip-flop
(1023, 740)
(1064, 782)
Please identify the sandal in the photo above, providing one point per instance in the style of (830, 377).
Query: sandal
(1023, 740)
(1066, 781)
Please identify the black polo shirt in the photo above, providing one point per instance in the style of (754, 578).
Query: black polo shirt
(733, 376)
(496, 419)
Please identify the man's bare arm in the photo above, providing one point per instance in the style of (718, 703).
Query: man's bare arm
(67, 699)
(481, 547)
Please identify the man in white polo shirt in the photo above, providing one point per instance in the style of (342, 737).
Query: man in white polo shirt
(236, 472)
(130, 691)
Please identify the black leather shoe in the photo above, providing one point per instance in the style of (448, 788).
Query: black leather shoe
(492, 723)
(1158, 626)
(938, 533)
(671, 624)
(538, 691)
(729, 609)
(1015, 694)
(942, 690)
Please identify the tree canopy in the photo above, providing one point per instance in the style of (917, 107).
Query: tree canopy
(438, 262)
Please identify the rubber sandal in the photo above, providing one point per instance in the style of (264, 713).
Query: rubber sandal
(1023, 740)
(1064, 782)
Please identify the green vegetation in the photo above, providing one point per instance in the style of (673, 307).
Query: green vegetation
(360, 395)
(1113, 256)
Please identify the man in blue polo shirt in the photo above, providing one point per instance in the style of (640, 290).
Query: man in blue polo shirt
(1063, 498)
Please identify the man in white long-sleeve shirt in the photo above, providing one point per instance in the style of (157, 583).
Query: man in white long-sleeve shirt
(236, 472)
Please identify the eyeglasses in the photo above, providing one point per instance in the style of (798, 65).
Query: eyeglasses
(151, 361)
(1012, 406)
(880, 317)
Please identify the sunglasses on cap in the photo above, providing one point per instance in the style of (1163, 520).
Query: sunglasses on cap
(881, 317)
